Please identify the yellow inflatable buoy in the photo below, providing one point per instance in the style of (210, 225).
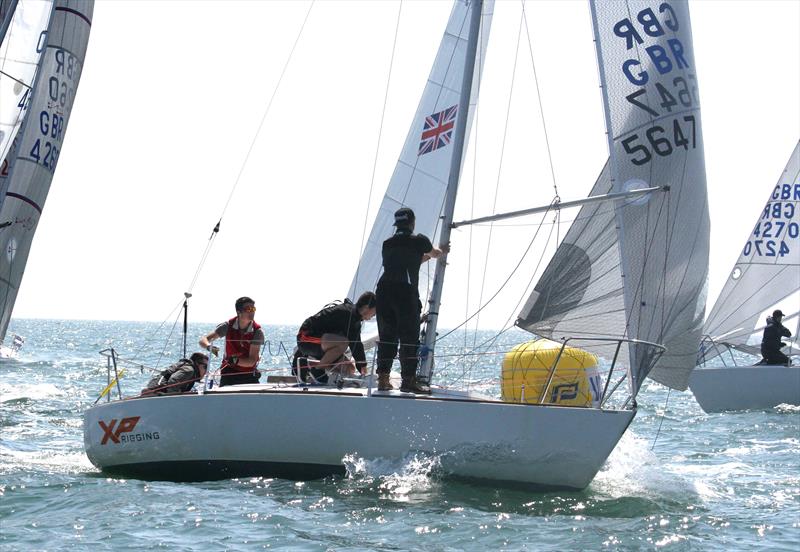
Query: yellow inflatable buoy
(526, 368)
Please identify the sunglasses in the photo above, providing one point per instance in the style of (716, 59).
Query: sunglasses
(251, 308)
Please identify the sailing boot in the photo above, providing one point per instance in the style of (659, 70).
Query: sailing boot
(383, 382)
(411, 385)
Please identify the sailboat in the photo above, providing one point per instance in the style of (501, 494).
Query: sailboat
(627, 283)
(766, 277)
(42, 53)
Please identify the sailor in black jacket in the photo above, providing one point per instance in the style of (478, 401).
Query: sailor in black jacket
(329, 333)
(771, 342)
(399, 306)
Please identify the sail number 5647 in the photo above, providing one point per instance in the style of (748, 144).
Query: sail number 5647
(661, 141)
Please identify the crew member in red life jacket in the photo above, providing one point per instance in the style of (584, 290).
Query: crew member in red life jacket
(243, 341)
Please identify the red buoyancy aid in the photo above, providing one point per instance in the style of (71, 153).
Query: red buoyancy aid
(237, 343)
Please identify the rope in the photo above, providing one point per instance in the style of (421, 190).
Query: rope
(378, 145)
(499, 171)
(215, 231)
(519, 263)
(655, 439)
(539, 97)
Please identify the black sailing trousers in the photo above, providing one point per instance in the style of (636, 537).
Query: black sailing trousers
(398, 310)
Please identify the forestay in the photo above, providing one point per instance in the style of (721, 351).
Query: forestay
(35, 152)
(766, 275)
(421, 175)
(651, 99)
(22, 42)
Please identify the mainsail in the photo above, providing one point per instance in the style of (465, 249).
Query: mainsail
(766, 275)
(657, 246)
(34, 154)
(421, 175)
(24, 26)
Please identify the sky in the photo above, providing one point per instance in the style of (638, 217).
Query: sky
(173, 94)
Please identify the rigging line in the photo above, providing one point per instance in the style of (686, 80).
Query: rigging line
(472, 200)
(519, 263)
(472, 207)
(466, 353)
(378, 145)
(167, 340)
(661, 422)
(25, 84)
(204, 256)
(210, 241)
(151, 338)
(250, 149)
(526, 291)
(267, 110)
(500, 166)
(539, 97)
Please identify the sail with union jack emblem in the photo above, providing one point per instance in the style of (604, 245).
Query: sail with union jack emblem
(420, 177)
(438, 130)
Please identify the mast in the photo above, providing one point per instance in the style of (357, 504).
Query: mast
(452, 188)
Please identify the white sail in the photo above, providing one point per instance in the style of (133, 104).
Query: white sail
(22, 45)
(766, 274)
(649, 82)
(34, 154)
(421, 175)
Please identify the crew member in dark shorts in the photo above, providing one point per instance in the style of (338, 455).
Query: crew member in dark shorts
(771, 342)
(326, 335)
(243, 341)
(399, 306)
(180, 377)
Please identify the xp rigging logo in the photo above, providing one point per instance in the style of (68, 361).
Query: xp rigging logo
(126, 425)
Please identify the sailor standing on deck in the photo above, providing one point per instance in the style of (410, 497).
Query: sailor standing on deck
(243, 341)
(398, 304)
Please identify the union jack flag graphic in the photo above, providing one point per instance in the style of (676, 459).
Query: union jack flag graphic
(438, 130)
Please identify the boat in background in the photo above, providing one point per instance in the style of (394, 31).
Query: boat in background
(42, 106)
(766, 276)
(623, 285)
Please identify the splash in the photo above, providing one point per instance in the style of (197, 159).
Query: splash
(788, 409)
(633, 469)
(401, 479)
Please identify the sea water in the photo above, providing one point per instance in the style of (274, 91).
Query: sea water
(680, 479)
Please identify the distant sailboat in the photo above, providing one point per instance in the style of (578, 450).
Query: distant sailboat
(766, 276)
(41, 67)
(627, 283)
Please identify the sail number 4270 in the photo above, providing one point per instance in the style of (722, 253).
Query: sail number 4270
(662, 141)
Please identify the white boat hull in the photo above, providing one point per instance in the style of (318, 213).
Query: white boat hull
(745, 387)
(264, 430)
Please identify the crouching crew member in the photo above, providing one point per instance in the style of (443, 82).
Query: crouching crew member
(326, 335)
(399, 306)
(771, 343)
(243, 341)
(180, 377)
